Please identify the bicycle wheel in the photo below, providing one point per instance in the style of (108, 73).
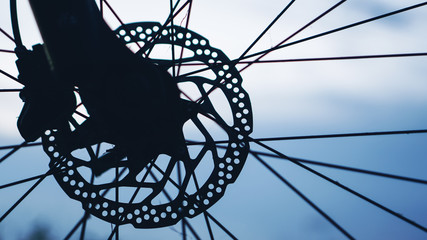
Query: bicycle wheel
(336, 147)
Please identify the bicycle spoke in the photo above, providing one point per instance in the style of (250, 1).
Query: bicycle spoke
(183, 230)
(6, 51)
(210, 149)
(207, 212)
(214, 87)
(83, 231)
(295, 161)
(98, 150)
(243, 56)
(24, 196)
(208, 225)
(86, 214)
(80, 222)
(113, 12)
(149, 167)
(299, 193)
(395, 55)
(221, 226)
(421, 54)
(10, 90)
(294, 34)
(191, 229)
(335, 30)
(351, 169)
(101, 7)
(92, 179)
(187, 22)
(117, 200)
(335, 166)
(173, 40)
(337, 135)
(7, 35)
(197, 160)
(21, 146)
(14, 150)
(358, 170)
(342, 135)
(25, 180)
(9, 76)
(81, 114)
(114, 232)
(171, 16)
(93, 156)
(267, 28)
(22, 181)
(185, 223)
(120, 21)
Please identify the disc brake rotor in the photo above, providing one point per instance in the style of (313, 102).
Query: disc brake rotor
(169, 188)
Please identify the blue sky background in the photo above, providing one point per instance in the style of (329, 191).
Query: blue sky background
(287, 99)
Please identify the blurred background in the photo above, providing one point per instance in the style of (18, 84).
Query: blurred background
(288, 99)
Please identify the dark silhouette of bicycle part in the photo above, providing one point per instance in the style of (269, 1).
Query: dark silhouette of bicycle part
(88, 95)
(133, 103)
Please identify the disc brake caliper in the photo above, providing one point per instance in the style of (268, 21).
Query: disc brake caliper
(47, 100)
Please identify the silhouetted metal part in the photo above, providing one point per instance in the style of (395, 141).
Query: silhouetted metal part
(112, 81)
(227, 167)
(47, 100)
(15, 27)
(149, 174)
(134, 104)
